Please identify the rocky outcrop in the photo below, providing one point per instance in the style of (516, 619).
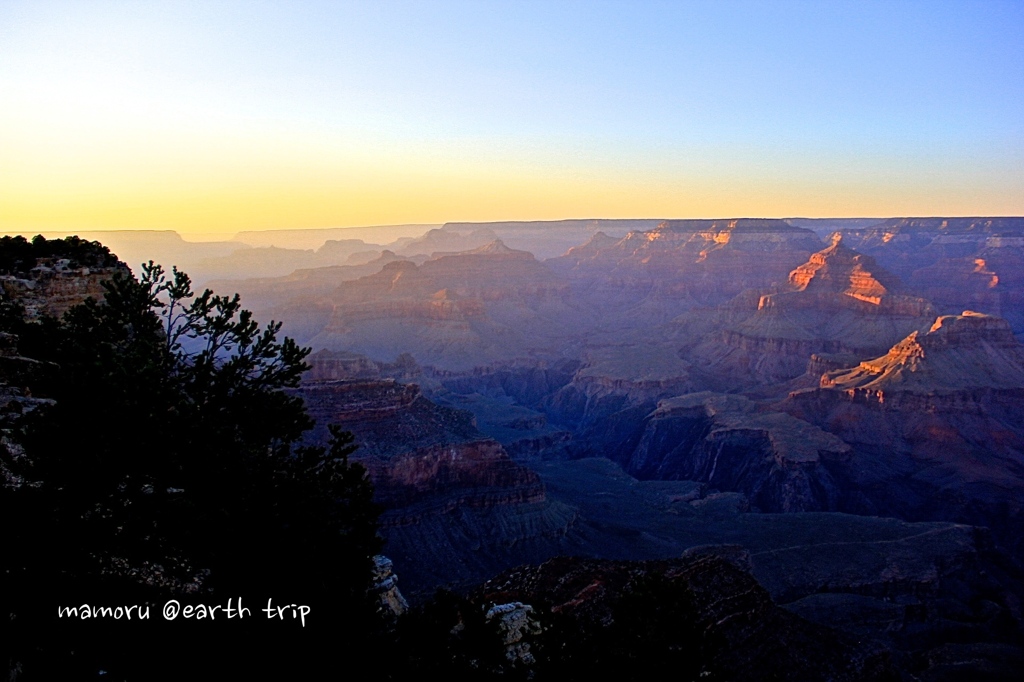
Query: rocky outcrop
(828, 362)
(54, 289)
(385, 587)
(658, 274)
(447, 490)
(775, 460)
(839, 269)
(957, 263)
(839, 301)
(517, 623)
(740, 634)
(958, 353)
(936, 425)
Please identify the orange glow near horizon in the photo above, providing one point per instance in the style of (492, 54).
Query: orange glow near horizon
(215, 197)
(221, 179)
(216, 118)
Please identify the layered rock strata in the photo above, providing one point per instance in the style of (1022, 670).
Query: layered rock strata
(611, 393)
(936, 424)
(417, 451)
(455, 311)
(839, 301)
(52, 286)
(777, 461)
(957, 263)
(653, 276)
(456, 507)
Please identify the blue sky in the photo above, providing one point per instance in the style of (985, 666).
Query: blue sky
(205, 116)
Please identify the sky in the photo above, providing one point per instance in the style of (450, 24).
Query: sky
(224, 116)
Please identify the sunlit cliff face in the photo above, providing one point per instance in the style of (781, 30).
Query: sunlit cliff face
(843, 270)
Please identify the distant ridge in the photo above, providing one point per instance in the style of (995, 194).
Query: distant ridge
(314, 238)
(982, 224)
(735, 225)
(579, 223)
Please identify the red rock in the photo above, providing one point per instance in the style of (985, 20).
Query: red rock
(839, 301)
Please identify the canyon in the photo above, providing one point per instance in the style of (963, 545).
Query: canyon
(831, 414)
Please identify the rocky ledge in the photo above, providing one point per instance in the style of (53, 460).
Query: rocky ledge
(736, 629)
(959, 353)
(935, 424)
(456, 507)
(839, 301)
(777, 461)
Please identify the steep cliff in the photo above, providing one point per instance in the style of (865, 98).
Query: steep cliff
(49, 277)
(936, 425)
(655, 275)
(612, 391)
(839, 301)
(725, 442)
(456, 507)
(957, 263)
(454, 311)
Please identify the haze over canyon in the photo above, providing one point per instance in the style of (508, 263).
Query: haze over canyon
(833, 406)
(839, 402)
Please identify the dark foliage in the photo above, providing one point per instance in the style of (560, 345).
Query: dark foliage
(652, 634)
(167, 467)
(18, 255)
(448, 638)
(653, 630)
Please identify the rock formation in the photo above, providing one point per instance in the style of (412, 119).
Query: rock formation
(48, 278)
(267, 295)
(385, 586)
(417, 451)
(325, 365)
(447, 242)
(444, 486)
(37, 279)
(917, 587)
(613, 390)
(777, 461)
(739, 632)
(551, 238)
(931, 430)
(957, 263)
(958, 353)
(455, 311)
(935, 424)
(839, 301)
(658, 274)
